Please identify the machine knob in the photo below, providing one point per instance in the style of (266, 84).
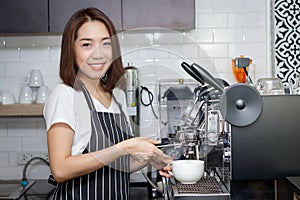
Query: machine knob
(240, 104)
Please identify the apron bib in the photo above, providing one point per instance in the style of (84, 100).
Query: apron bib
(112, 181)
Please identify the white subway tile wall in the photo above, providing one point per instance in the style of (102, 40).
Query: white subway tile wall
(224, 30)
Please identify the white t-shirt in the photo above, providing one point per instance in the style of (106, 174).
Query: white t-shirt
(67, 105)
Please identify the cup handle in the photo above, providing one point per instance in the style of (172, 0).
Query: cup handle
(168, 166)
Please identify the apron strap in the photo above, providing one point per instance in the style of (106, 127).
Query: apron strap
(86, 94)
(120, 106)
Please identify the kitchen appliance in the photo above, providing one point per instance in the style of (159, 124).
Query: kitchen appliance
(241, 104)
(174, 97)
(269, 148)
(240, 134)
(200, 134)
(132, 96)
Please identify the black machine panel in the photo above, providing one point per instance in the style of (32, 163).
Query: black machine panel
(270, 147)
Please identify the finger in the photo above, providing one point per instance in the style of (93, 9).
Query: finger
(152, 141)
(167, 168)
(165, 174)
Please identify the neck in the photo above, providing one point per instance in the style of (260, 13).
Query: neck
(95, 90)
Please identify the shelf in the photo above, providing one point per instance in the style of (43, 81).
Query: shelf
(19, 110)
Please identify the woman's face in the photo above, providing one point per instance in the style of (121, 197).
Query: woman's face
(93, 50)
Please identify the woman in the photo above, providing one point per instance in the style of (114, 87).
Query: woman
(90, 144)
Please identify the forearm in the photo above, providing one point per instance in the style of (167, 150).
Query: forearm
(75, 166)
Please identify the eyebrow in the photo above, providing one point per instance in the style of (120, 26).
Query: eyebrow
(89, 39)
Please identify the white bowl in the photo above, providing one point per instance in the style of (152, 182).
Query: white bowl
(188, 171)
(42, 94)
(25, 96)
(7, 97)
(36, 78)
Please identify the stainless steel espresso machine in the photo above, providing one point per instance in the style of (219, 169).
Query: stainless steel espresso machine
(196, 130)
(239, 133)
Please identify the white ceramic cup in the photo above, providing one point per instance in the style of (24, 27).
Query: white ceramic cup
(36, 78)
(187, 171)
(7, 97)
(25, 96)
(42, 94)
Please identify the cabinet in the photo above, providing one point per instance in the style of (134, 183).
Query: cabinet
(42, 16)
(23, 16)
(61, 11)
(170, 14)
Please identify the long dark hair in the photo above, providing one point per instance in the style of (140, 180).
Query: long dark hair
(68, 66)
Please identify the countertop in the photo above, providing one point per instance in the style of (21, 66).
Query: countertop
(42, 190)
(295, 183)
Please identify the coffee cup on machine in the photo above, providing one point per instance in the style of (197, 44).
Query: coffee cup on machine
(187, 171)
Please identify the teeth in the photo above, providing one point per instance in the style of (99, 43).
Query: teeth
(96, 65)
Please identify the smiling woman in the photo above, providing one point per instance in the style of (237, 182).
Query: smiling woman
(92, 159)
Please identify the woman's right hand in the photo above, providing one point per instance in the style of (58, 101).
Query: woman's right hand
(143, 149)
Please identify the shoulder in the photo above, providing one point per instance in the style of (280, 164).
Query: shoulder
(61, 97)
(60, 89)
(64, 93)
(63, 105)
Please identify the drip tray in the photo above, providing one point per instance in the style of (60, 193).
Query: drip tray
(12, 189)
(207, 188)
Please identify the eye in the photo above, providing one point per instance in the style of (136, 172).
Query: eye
(107, 43)
(86, 44)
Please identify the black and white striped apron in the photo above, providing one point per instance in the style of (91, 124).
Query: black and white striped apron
(112, 181)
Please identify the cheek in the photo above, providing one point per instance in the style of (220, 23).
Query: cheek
(109, 57)
(80, 58)
(107, 53)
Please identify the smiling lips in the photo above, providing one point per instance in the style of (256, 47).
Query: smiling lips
(97, 66)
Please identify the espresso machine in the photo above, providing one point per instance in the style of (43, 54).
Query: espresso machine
(202, 133)
(239, 133)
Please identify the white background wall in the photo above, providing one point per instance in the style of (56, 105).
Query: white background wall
(224, 30)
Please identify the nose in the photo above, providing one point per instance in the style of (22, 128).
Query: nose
(97, 52)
